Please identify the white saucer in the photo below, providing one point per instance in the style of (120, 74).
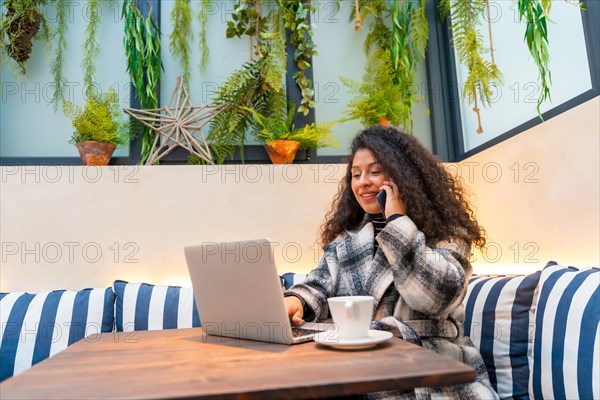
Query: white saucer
(329, 338)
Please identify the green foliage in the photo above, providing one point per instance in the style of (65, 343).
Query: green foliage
(400, 29)
(295, 15)
(468, 42)
(99, 120)
(19, 24)
(257, 85)
(202, 17)
(376, 96)
(246, 87)
(247, 19)
(181, 18)
(57, 64)
(534, 13)
(277, 128)
(144, 64)
(91, 48)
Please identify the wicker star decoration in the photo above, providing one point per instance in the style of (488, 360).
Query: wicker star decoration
(176, 124)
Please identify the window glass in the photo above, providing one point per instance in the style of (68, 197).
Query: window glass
(515, 101)
(29, 125)
(341, 52)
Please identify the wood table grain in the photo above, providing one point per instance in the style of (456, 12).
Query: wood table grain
(187, 364)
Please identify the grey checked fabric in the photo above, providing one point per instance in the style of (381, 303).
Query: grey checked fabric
(409, 281)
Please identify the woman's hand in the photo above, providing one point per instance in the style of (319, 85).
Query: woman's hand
(294, 309)
(393, 203)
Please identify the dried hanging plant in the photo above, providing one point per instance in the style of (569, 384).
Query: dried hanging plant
(19, 25)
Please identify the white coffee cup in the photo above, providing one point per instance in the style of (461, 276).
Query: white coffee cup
(351, 315)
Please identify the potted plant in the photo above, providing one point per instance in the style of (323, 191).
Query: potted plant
(377, 99)
(99, 130)
(282, 140)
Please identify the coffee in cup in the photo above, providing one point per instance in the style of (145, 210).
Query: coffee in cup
(351, 315)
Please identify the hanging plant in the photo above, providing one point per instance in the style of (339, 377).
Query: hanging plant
(400, 31)
(295, 17)
(19, 25)
(468, 42)
(534, 13)
(144, 64)
(202, 17)
(91, 48)
(256, 85)
(57, 64)
(181, 19)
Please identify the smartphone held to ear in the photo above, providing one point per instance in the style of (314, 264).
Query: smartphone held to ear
(381, 196)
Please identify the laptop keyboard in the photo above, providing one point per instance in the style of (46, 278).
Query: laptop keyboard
(298, 332)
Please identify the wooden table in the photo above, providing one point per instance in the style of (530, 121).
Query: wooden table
(185, 363)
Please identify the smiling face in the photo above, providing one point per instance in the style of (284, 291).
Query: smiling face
(367, 178)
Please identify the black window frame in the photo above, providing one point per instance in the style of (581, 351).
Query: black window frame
(446, 123)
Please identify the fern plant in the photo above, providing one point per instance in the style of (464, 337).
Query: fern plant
(400, 30)
(181, 18)
(468, 42)
(377, 97)
(91, 48)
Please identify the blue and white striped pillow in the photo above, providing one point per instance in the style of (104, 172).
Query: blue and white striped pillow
(566, 350)
(141, 307)
(37, 326)
(290, 279)
(499, 319)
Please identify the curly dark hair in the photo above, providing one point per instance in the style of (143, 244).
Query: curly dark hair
(435, 201)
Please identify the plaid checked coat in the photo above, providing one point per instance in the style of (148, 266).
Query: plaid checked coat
(418, 293)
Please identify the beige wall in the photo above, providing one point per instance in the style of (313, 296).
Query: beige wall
(537, 194)
(75, 227)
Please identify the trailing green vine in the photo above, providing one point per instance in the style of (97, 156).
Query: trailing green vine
(295, 14)
(399, 30)
(91, 48)
(257, 85)
(19, 25)
(534, 13)
(181, 19)
(144, 64)
(57, 63)
(468, 42)
(202, 17)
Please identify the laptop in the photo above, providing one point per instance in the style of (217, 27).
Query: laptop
(238, 292)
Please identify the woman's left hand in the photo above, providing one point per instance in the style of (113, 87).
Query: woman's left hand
(394, 204)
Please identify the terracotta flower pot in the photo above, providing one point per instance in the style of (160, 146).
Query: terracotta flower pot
(282, 151)
(95, 153)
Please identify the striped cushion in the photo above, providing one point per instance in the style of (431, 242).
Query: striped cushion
(290, 279)
(499, 319)
(37, 326)
(566, 350)
(141, 307)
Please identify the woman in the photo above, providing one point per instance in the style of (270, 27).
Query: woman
(414, 260)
